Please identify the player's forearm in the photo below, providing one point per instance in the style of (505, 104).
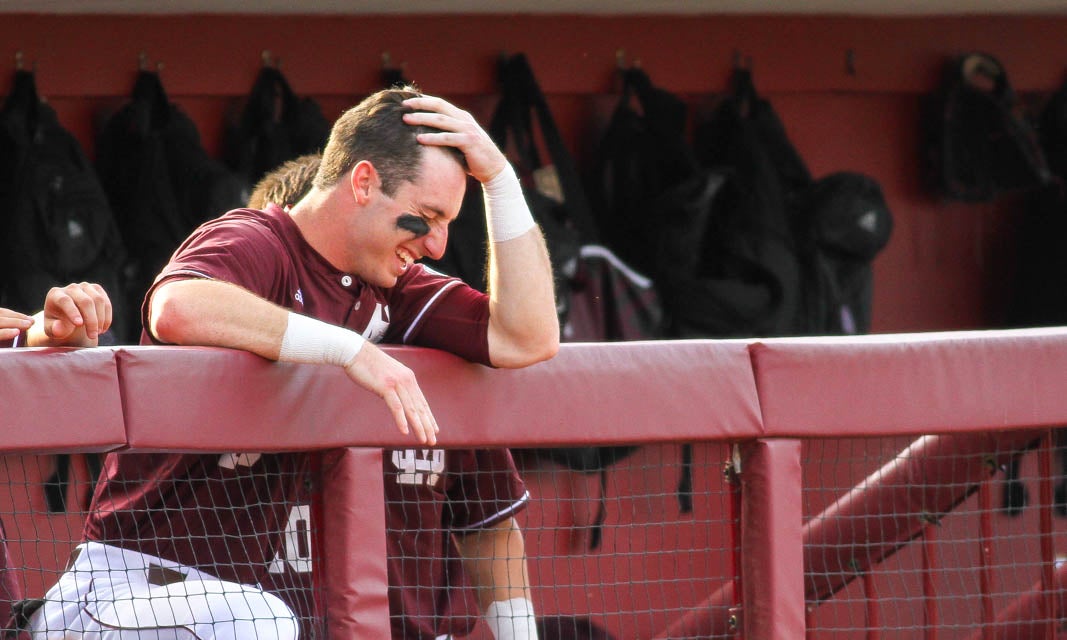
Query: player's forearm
(523, 325)
(216, 314)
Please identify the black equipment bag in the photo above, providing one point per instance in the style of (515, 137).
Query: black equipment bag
(642, 155)
(744, 277)
(657, 206)
(60, 227)
(273, 125)
(978, 143)
(161, 183)
(841, 222)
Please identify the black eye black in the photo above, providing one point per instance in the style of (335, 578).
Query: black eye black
(414, 224)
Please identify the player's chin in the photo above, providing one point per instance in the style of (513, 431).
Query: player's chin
(388, 280)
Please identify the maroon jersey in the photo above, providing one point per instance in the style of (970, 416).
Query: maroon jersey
(430, 495)
(224, 514)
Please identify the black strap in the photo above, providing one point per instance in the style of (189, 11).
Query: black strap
(148, 90)
(23, 101)
(270, 100)
(521, 97)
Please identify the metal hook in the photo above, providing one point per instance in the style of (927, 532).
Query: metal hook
(142, 61)
(18, 60)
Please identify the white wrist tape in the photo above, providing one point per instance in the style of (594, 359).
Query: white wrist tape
(511, 619)
(316, 342)
(506, 213)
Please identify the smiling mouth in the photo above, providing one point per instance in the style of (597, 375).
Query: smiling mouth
(405, 257)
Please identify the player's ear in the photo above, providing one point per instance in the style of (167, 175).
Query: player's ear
(362, 180)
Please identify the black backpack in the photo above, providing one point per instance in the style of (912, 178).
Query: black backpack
(59, 226)
(161, 183)
(642, 155)
(841, 222)
(978, 143)
(271, 126)
(744, 277)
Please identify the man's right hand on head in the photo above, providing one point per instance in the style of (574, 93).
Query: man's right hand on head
(375, 370)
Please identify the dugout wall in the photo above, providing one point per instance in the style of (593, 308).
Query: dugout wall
(847, 88)
(825, 522)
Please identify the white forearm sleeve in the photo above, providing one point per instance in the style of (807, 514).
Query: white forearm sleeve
(506, 213)
(511, 619)
(316, 342)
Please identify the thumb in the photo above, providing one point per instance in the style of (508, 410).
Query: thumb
(60, 329)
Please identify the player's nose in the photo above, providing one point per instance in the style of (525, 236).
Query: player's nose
(435, 242)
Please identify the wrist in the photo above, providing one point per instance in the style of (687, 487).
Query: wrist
(507, 215)
(312, 341)
(511, 619)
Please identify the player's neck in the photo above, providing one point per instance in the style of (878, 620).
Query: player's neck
(321, 218)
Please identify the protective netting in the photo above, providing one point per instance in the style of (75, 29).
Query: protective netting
(903, 537)
(915, 555)
(189, 555)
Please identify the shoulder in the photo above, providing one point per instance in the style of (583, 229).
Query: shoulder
(241, 232)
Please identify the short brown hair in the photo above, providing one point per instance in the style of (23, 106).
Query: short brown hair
(374, 130)
(287, 183)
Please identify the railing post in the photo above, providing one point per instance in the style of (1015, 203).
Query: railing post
(772, 558)
(353, 558)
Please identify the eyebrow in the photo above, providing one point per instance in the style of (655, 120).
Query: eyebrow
(439, 212)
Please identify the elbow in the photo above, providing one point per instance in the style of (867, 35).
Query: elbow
(549, 348)
(168, 318)
(540, 345)
(525, 352)
(542, 352)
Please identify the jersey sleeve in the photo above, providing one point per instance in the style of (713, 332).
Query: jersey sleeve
(487, 490)
(441, 312)
(232, 249)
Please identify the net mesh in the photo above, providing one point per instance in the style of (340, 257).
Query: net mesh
(626, 547)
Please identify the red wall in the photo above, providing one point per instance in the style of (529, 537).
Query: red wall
(948, 266)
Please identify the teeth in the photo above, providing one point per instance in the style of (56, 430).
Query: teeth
(406, 257)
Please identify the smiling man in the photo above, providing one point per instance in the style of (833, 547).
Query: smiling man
(178, 541)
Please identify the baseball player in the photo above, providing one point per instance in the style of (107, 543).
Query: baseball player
(429, 590)
(73, 316)
(176, 545)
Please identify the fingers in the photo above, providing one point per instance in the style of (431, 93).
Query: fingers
(376, 371)
(412, 414)
(12, 323)
(458, 129)
(77, 305)
(417, 412)
(438, 105)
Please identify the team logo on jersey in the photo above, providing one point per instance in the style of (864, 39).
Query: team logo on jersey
(419, 466)
(378, 323)
(299, 297)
